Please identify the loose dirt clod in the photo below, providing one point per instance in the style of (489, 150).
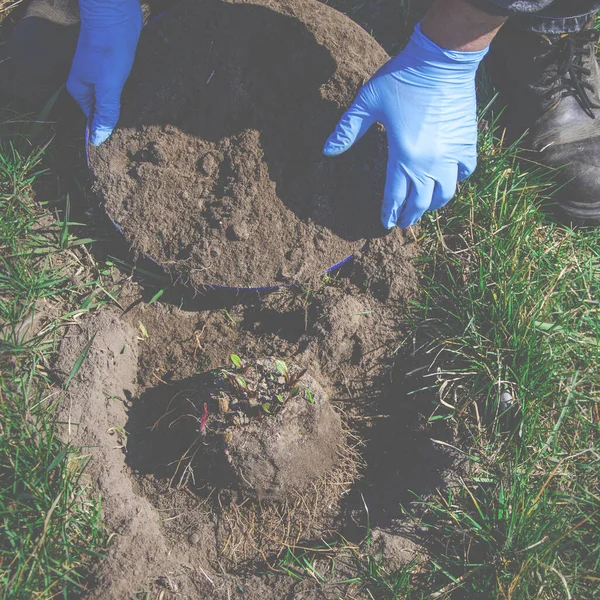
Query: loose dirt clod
(290, 451)
(216, 168)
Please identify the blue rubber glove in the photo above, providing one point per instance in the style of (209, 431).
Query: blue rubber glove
(425, 98)
(108, 37)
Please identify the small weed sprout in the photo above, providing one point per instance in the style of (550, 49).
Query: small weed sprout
(309, 396)
(260, 388)
(282, 367)
(290, 378)
(241, 383)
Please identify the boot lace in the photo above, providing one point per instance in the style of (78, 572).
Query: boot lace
(569, 77)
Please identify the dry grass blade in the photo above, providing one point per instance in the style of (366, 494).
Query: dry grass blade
(79, 362)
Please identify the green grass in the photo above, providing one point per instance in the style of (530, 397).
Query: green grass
(511, 310)
(346, 570)
(50, 525)
(508, 331)
(508, 335)
(50, 528)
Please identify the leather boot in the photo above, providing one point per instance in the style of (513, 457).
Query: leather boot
(550, 85)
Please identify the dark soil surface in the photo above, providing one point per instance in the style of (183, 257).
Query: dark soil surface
(196, 537)
(216, 170)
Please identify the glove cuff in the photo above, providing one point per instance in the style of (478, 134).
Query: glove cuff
(424, 48)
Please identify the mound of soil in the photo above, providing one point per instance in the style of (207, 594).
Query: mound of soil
(91, 416)
(136, 405)
(283, 453)
(216, 168)
(266, 432)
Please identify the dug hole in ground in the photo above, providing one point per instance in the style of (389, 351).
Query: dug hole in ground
(211, 468)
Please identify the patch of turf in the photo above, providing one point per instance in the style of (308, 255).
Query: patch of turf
(351, 570)
(509, 327)
(51, 526)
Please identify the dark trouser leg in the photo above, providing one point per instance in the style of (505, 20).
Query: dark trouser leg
(39, 56)
(543, 16)
(565, 16)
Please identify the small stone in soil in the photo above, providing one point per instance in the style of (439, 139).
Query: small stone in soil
(238, 232)
(223, 405)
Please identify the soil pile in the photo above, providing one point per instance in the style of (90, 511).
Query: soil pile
(296, 448)
(263, 427)
(216, 169)
(137, 404)
(91, 416)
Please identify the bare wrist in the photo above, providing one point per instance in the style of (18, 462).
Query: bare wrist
(459, 25)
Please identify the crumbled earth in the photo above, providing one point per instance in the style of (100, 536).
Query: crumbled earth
(191, 540)
(92, 415)
(269, 433)
(216, 170)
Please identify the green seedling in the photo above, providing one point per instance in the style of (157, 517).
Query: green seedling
(282, 367)
(290, 378)
(241, 383)
(229, 317)
(249, 390)
(156, 296)
(64, 229)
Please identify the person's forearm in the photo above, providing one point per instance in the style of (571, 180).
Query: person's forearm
(458, 25)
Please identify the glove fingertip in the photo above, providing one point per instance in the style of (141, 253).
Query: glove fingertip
(334, 146)
(388, 222)
(467, 168)
(408, 221)
(409, 216)
(100, 135)
(464, 174)
(389, 215)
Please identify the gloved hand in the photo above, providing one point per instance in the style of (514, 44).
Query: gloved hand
(108, 37)
(425, 98)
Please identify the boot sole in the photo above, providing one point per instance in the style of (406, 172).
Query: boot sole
(583, 217)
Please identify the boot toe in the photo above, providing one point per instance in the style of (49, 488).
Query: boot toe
(577, 174)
